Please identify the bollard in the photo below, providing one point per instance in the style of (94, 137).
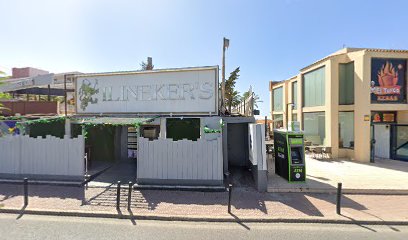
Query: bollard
(229, 197)
(25, 191)
(130, 195)
(118, 196)
(338, 203)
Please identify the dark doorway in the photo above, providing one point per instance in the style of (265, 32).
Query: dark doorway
(237, 143)
(183, 128)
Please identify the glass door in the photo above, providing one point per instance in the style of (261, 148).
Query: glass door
(400, 143)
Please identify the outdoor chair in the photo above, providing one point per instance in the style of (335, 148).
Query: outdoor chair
(317, 151)
(307, 150)
(327, 151)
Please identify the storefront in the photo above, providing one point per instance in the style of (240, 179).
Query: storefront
(353, 101)
(170, 127)
(389, 138)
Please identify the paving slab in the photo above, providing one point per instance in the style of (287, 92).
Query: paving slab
(247, 204)
(382, 177)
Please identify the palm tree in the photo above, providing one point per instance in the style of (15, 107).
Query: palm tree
(232, 97)
(256, 97)
(3, 95)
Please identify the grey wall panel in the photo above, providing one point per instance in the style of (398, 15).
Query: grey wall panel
(180, 160)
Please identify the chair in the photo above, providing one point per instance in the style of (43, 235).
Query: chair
(316, 151)
(327, 151)
(307, 150)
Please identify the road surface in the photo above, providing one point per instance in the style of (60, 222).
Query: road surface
(51, 227)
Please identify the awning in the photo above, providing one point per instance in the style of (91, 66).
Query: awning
(14, 84)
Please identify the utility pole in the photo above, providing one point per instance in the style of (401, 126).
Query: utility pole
(224, 47)
(65, 94)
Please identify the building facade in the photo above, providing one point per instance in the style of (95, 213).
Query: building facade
(354, 101)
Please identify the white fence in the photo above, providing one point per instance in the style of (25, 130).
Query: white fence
(257, 147)
(199, 160)
(42, 156)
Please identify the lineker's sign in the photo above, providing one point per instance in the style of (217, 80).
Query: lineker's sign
(191, 90)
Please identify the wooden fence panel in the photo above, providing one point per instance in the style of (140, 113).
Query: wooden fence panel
(180, 160)
(42, 156)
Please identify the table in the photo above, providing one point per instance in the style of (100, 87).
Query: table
(316, 149)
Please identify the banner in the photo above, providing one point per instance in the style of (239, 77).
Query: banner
(388, 77)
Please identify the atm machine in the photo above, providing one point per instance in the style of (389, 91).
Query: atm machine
(290, 155)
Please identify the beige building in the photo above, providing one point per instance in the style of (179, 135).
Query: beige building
(348, 101)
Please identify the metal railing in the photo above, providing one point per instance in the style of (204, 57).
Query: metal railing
(245, 107)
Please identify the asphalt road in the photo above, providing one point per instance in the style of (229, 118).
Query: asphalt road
(50, 227)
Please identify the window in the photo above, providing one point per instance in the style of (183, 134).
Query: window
(346, 83)
(183, 128)
(294, 117)
(294, 94)
(278, 99)
(150, 131)
(313, 88)
(401, 148)
(346, 129)
(277, 121)
(314, 127)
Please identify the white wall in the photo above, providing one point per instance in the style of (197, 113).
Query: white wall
(42, 156)
(257, 147)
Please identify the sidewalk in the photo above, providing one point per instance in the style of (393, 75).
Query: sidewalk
(247, 205)
(382, 177)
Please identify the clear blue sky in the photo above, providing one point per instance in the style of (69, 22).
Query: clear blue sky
(270, 40)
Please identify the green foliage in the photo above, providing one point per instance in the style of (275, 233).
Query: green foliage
(23, 125)
(85, 125)
(3, 95)
(145, 66)
(232, 97)
(256, 99)
(85, 94)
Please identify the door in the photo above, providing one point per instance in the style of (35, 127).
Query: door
(237, 143)
(400, 142)
(382, 141)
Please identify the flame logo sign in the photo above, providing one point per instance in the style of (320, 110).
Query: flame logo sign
(387, 76)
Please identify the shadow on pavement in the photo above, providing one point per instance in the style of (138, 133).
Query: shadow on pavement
(42, 191)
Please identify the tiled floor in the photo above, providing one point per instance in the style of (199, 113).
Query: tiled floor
(325, 174)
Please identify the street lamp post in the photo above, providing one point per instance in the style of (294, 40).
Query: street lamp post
(224, 47)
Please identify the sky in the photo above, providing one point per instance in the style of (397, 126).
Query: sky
(269, 40)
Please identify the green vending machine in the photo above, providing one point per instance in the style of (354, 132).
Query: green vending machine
(290, 155)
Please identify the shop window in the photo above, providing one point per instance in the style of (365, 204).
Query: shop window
(294, 95)
(401, 148)
(314, 127)
(346, 83)
(294, 117)
(183, 128)
(278, 99)
(313, 88)
(346, 129)
(277, 121)
(150, 131)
